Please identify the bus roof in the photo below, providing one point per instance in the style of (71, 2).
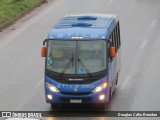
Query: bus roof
(84, 26)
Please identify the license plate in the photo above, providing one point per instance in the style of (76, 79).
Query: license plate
(75, 101)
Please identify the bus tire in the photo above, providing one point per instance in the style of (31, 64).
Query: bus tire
(54, 106)
(101, 106)
(110, 95)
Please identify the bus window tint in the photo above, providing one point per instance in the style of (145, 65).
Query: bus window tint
(60, 54)
(93, 55)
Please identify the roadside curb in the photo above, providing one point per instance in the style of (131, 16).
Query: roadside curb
(11, 22)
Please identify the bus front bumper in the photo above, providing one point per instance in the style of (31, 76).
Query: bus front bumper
(100, 97)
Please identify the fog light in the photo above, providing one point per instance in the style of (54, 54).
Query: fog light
(101, 97)
(49, 97)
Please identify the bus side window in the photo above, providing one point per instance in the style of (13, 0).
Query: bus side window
(118, 31)
(115, 38)
(112, 39)
(117, 35)
(109, 44)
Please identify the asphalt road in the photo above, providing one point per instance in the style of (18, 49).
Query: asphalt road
(22, 68)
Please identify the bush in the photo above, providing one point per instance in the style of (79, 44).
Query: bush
(9, 9)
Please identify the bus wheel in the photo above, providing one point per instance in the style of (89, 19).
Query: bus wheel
(101, 106)
(110, 94)
(54, 106)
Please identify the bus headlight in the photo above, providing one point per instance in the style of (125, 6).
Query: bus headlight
(100, 87)
(52, 87)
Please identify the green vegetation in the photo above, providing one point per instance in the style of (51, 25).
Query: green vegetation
(9, 9)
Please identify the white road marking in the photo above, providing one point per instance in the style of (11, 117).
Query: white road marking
(40, 82)
(143, 44)
(124, 83)
(153, 23)
(109, 2)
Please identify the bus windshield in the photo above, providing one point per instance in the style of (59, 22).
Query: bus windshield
(76, 57)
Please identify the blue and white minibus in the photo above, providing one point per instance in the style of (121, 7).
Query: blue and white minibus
(82, 59)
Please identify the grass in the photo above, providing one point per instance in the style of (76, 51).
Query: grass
(9, 9)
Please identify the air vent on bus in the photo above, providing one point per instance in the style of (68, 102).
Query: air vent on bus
(81, 25)
(87, 18)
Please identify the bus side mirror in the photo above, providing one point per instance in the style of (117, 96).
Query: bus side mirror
(43, 51)
(112, 51)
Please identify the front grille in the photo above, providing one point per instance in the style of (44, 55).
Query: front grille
(67, 100)
(66, 77)
(66, 80)
(72, 93)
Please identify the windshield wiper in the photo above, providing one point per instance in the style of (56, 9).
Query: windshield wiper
(88, 72)
(67, 66)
